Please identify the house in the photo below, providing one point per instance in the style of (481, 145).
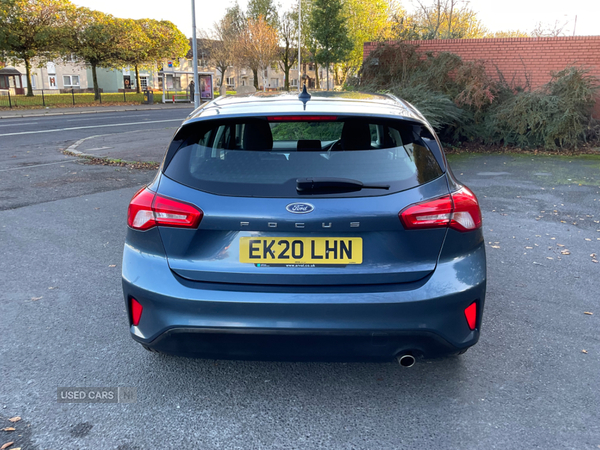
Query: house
(123, 78)
(60, 75)
(11, 81)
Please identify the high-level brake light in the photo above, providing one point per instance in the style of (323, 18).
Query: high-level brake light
(459, 211)
(148, 209)
(301, 118)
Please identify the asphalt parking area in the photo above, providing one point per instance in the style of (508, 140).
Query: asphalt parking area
(531, 382)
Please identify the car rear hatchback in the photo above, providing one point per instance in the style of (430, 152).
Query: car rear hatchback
(329, 228)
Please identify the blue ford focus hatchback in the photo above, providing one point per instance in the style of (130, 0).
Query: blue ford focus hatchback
(298, 227)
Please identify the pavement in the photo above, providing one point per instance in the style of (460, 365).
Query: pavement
(531, 382)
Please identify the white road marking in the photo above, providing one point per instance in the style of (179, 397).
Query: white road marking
(18, 124)
(92, 126)
(97, 148)
(38, 165)
(111, 117)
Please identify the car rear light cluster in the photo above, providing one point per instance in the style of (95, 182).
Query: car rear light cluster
(148, 209)
(459, 211)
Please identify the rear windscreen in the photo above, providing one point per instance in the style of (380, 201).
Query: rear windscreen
(264, 157)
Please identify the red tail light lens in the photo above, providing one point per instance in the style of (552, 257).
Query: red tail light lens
(459, 211)
(432, 214)
(139, 214)
(471, 315)
(466, 215)
(136, 311)
(148, 209)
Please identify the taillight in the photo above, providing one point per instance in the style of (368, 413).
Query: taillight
(148, 209)
(466, 215)
(471, 315)
(459, 210)
(139, 214)
(136, 311)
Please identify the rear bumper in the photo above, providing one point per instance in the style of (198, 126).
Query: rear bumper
(298, 323)
(301, 345)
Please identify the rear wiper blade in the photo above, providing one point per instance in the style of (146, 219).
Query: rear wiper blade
(322, 184)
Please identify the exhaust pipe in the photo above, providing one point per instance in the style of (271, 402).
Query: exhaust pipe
(406, 360)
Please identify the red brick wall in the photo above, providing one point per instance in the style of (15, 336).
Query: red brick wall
(515, 57)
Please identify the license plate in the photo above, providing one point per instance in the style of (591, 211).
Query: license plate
(301, 250)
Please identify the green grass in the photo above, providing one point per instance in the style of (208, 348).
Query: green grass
(50, 100)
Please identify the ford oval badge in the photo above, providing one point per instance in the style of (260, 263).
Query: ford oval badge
(300, 208)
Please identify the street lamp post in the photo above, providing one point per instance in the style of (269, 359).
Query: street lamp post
(195, 56)
(299, 40)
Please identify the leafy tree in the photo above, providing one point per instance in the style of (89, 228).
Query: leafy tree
(165, 41)
(288, 53)
(236, 18)
(367, 20)
(507, 34)
(258, 44)
(97, 39)
(33, 30)
(328, 27)
(265, 9)
(134, 46)
(403, 26)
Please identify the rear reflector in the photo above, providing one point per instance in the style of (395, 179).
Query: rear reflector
(301, 118)
(471, 315)
(148, 209)
(136, 311)
(459, 211)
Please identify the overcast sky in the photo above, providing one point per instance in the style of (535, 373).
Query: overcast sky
(495, 15)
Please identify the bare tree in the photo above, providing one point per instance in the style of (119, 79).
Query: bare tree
(549, 30)
(258, 46)
(222, 46)
(288, 53)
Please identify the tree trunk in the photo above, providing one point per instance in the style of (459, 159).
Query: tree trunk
(336, 74)
(255, 73)
(286, 74)
(327, 75)
(223, 71)
(95, 80)
(286, 84)
(28, 76)
(137, 80)
(317, 83)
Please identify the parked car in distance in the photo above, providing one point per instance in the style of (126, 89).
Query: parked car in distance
(295, 227)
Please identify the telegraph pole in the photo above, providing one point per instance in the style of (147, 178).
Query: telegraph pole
(195, 56)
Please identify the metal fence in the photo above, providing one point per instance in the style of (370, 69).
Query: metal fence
(48, 98)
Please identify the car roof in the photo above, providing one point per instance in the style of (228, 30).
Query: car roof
(321, 102)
